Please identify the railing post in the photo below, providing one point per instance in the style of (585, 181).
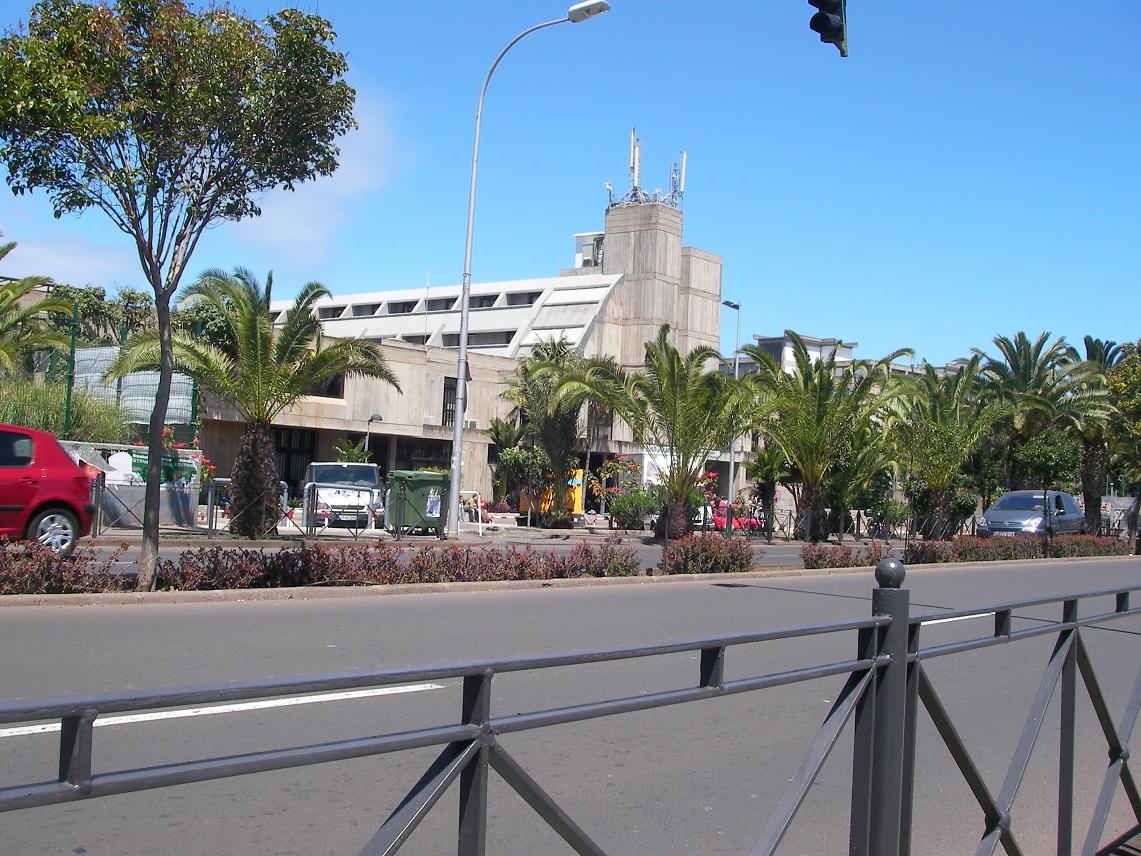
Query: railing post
(473, 779)
(1066, 740)
(890, 711)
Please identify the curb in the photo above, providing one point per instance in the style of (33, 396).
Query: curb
(332, 592)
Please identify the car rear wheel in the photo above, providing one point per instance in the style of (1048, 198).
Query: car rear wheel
(55, 528)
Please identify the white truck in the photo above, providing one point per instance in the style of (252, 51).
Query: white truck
(342, 494)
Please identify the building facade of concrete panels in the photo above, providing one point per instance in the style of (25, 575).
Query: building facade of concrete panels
(405, 430)
(626, 282)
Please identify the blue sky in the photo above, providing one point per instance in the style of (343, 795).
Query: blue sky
(972, 168)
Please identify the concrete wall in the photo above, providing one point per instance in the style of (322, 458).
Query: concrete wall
(415, 412)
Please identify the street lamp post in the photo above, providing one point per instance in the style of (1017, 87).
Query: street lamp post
(736, 307)
(376, 417)
(575, 14)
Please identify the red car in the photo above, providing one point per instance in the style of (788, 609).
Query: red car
(44, 495)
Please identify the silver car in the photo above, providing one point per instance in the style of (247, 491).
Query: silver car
(1020, 513)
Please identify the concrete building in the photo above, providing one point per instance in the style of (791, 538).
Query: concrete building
(625, 282)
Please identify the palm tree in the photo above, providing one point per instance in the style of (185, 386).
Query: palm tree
(679, 404)
(264, 373)
(943, 419)
(1101, 356)
(1043, 385)
(551, 425)
(811, 412)
(504, 434)
(865, 453)
(23, 325)
(766, 471)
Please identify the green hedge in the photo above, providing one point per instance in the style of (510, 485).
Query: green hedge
(706, 554)
(30, 569)
(817, 556)
(971, 549)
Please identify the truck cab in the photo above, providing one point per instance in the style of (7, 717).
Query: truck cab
(342, 494)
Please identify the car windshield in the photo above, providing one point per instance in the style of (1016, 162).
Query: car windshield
(356, 475)
(1019, 502)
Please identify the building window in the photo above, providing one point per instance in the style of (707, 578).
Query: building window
(333, 387)
(414, 339)
(401, 307)
(449, 416)
(526, 298)
(483, 301)
(363, 310)
(294, 450)
(439, 304)
(494, 339)
(328, 313)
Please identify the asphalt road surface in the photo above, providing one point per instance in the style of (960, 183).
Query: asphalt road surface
(697, 778)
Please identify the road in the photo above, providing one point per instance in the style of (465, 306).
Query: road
(691, 779)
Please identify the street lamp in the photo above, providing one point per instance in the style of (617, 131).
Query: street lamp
(575, 14)
(376, 417)
(736, 307)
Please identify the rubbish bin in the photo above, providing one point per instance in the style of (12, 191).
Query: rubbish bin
(416, 500)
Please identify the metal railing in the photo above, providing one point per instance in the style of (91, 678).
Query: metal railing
(218, 500)
(886, 684)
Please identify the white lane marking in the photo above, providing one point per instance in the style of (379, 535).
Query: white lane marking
(182, 713)
(949, 620)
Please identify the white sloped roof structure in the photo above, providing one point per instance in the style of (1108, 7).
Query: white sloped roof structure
(506, 318)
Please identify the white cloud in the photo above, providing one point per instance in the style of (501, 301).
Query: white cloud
(75, 260)
(299, 226)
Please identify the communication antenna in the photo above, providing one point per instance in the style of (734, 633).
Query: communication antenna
(636, 195)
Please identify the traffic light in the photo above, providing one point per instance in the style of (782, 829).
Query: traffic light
(831, 23)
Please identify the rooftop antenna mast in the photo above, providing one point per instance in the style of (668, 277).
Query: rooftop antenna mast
(636, 195)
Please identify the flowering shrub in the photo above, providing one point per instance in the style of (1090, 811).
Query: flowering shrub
(228, 567)
(817, 556)
(706, 482)
(628, 502)
(970, 549)
(1065, 546)
(610, 560)
(500, 507)
(706, 554)
(27, 567)
(618, 469)
(458, 563)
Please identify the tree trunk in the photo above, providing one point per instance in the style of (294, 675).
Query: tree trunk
(768, 501)
(813, 499)
(678, 520)
(1095, 461)
(255, 492)
(148, 559)
(938, 525)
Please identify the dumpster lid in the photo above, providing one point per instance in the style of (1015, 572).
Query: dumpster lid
(418, 475)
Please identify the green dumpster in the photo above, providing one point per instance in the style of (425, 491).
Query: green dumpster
(416, 500)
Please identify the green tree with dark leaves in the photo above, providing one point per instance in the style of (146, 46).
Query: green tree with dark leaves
(768, 468)
(944, 419)
(167, 119)
(1101, 356)
(812, 411)
(551, 424)
(680, 403)
(1123, 382)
